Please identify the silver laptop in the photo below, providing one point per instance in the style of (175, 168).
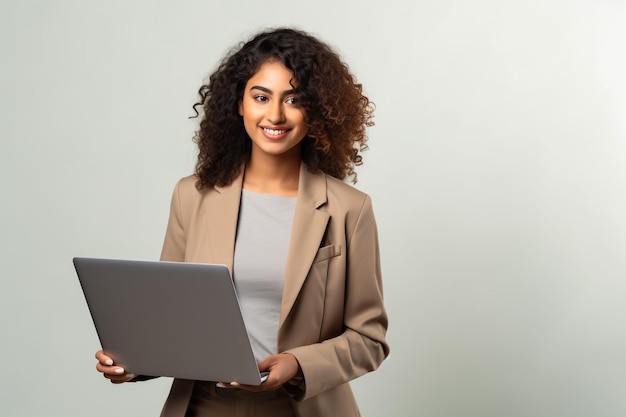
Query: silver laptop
(170, 319)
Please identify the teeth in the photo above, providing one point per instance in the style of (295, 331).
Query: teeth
(274, 132)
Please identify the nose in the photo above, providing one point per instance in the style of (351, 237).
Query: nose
(275, 112)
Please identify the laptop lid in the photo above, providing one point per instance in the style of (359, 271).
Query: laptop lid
(172, 319)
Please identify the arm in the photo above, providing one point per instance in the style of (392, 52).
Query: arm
(361, 347)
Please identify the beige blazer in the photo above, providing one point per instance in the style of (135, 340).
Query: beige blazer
(332, 314)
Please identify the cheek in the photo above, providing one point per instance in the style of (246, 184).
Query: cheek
(297, 117)
(250, 116)
(249, 126)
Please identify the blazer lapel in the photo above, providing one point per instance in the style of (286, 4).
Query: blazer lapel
(221, 221)
(221, 213)
(307, 232)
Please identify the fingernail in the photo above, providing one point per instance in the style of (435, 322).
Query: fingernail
(109, 362)
(119, 370)
(131, 376)
(220, 385)
(234, 384)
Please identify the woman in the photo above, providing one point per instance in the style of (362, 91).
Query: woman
(283, 124)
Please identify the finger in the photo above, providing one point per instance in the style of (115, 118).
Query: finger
(251, 388)
(266, 363)
(103, 358)
(110, 370)
(118, 379)
(264, 386)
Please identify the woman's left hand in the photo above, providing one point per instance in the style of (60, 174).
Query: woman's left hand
(282, 368)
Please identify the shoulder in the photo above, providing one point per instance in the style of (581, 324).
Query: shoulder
(340, 191)
(187, 183)
(343, 198)
(186, 188)
(350, 208)
(186, 194)
(189, 197)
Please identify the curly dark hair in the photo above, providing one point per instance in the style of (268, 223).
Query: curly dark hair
(336, 111)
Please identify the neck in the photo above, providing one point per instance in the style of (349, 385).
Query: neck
(272, 176)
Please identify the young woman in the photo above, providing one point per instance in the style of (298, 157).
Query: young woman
(283, 122)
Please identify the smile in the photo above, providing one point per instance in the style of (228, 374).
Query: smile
(273, 131)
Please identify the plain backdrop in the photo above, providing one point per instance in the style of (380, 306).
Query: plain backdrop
(497, 168)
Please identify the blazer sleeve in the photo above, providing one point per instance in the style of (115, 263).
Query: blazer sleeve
(175, 236)
(361, 347)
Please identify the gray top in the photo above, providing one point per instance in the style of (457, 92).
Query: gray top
(263, 232)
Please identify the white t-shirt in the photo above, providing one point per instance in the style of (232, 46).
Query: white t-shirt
(261, 245)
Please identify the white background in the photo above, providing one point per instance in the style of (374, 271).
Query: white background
(497, 167)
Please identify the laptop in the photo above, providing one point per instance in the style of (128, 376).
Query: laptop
(173, 319)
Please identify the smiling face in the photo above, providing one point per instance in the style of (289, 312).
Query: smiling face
(271, 114)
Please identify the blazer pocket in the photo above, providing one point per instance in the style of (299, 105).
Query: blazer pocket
(327, 252)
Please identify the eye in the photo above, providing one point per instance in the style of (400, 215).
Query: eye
(291, 100)
(261, 98)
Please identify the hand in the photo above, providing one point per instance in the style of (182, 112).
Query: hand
(116, 374)
(282, 368)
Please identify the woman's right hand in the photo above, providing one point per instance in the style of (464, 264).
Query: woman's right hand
(116, 374)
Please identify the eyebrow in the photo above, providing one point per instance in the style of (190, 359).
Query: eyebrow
(268, 91)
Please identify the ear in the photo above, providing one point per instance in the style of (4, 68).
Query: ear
(240, 107)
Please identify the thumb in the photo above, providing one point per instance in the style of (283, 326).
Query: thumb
(267, 363)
